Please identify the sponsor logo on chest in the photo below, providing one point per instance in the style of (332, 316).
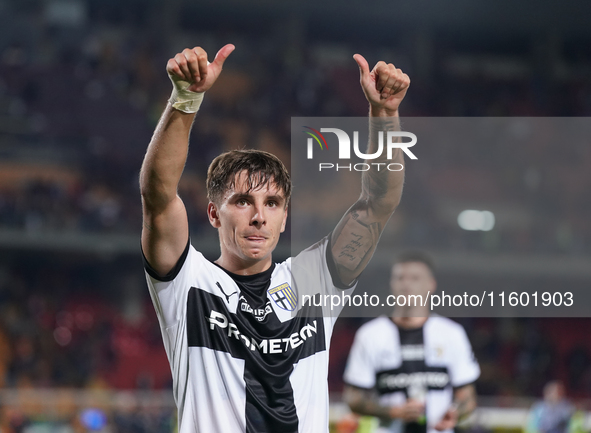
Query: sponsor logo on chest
(398, 380)
(219, 321)
(259, 313)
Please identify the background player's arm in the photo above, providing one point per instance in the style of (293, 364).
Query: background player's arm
(365, 402)
(465, 400)
(463, 405)
(165, 229)
(356, 236)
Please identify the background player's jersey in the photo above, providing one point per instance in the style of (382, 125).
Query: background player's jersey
(245, 355)
(396, 362)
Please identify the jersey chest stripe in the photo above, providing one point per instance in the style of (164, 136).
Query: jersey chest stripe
(269, 349)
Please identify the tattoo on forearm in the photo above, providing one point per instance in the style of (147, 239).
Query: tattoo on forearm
(354, 248)
(365, 403)
(465, 406)
(148, 227)
(373, 408)
(465, 401)
(377, 183)
(355, 244)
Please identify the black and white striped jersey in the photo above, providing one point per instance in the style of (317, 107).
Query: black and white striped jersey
(245, 354)
(400, 363)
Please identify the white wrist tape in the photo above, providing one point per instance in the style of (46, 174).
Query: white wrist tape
(182, 99)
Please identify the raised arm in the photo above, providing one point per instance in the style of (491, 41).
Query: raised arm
(165, 229)
(356, 236)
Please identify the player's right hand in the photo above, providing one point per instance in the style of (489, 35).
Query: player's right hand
(412, 410)
(191, 66)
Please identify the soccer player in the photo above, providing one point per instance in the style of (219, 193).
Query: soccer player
(414, 371)
(242, 360)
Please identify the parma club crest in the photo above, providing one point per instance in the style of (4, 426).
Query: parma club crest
(284, 297)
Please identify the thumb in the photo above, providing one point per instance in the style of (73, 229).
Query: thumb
(363, 65)
(223, 54)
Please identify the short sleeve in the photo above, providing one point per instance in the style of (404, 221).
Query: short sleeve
(169, 296)
(360, 370)
(166, 291)
(316, 282)
(464, 369)
(332, 268)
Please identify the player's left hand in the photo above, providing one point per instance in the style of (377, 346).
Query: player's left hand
(449, 420)
(384, 86)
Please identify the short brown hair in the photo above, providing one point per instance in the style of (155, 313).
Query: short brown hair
(261, 168)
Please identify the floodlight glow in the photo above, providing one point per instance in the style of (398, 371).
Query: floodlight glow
(488, 220)
(476, 220)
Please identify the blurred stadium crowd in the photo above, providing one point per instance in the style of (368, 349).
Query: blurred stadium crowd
(78, 106)
(79, 101)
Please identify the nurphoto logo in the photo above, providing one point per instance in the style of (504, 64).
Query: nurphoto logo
(392, 139)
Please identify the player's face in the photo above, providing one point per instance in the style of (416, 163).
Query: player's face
(553, 392)
(411, 278)
(249, 223)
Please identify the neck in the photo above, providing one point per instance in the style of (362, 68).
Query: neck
(244, 267)
(409, 322)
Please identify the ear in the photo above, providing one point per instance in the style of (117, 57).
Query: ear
(213, 215)
(433, 284)
(284, 220)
